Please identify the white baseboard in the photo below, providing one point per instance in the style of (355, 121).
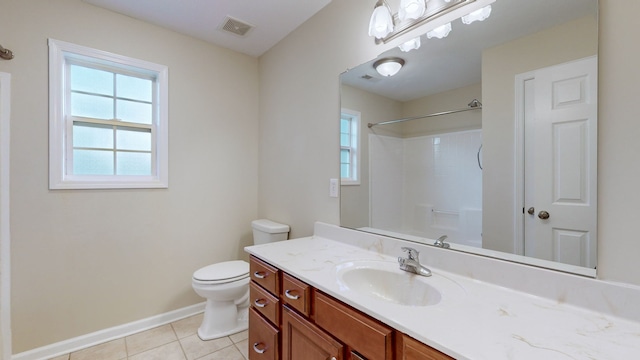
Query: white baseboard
(99, 337)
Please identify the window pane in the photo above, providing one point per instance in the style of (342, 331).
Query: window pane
(345, 156)
(133, 140)
(133, 163)
(345, 140)
(344, 171)
(91, 106)
(345, 126)
(93, 136)
(134, 112)
(134, 88)
(92, 162)
(91, 80)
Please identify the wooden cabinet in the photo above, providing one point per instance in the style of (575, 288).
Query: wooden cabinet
(368, 337)
(290, 320)
(303, 340)
(264, 314)
(411, 349)
(263, 338)
(297, 294)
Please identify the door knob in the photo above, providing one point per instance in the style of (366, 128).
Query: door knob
(531, 210)
(543, 215)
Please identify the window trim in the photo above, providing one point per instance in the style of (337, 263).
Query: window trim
(59, 133)
(355, 150)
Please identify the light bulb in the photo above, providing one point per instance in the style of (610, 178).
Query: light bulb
(381, 23)
(410, 45)
(478, 15)
(440, 32)
(411, 9)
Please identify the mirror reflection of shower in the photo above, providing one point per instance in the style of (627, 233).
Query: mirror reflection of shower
(427, 186)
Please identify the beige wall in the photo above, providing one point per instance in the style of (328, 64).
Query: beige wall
(444, 101)
(354, 199)
(86, 260)
(299, 99)
(500, 65)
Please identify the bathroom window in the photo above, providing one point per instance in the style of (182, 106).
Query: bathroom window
(107, 121)
(349, 147)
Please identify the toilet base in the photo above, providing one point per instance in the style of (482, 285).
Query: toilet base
(218, 327)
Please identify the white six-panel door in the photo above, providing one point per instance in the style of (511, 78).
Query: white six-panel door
(561, 163)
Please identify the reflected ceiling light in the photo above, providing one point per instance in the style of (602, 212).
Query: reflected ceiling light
(440, 32)
(410, 45)
(411, 9)
(381, 23)
(477, 15)
(388, 66)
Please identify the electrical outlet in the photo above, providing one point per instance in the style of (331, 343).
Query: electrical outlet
(333, 188)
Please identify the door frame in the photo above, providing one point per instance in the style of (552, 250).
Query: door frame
(518, 205)
(5, 234)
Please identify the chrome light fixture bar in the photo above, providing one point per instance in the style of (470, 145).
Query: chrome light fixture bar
(434, 10)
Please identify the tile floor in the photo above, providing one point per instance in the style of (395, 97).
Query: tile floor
(176, 341)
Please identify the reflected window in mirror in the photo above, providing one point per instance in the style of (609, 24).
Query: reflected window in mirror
(349, 147)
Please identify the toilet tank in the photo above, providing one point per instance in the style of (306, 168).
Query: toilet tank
(266, 231)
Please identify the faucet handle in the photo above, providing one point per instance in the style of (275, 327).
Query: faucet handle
(413, 254)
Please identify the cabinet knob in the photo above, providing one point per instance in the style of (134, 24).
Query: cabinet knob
(291, 296)
(260, 274)
(260, 348)
(260, 303)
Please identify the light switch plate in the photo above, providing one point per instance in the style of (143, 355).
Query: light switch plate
(333, 188)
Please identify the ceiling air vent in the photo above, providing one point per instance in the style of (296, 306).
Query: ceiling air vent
(235, 26)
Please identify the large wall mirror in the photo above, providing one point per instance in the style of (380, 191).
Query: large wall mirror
(515, 176)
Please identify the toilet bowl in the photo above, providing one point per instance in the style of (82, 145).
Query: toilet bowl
(225, 285)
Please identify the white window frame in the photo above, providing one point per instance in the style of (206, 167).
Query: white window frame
(354, 148)
(60, 132)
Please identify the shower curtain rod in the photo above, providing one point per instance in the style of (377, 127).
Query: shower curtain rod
(473, 105)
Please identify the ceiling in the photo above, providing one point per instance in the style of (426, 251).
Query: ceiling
(272, 20)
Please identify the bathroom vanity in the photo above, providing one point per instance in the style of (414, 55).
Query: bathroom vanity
(290, 319)
(340, 294)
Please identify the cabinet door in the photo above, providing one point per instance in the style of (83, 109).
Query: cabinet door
(411, 349)
(363, 334)
(303, 340)
(263, 338)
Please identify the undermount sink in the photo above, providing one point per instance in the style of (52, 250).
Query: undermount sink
(384, 281)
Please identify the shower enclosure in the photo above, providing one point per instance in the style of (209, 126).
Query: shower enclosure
(428, 186)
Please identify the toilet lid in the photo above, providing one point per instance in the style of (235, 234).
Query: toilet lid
(228, 270)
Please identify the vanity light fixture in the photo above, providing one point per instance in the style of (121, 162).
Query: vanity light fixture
(388, 66)
(411, 9)
(440, 32)
(386, 26)
(478, 15)
(410, 45)
(381, 23)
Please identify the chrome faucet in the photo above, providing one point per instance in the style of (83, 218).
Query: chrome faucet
(412, 262)
(440, 242)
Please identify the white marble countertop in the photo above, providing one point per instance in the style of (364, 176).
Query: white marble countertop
(484, 321)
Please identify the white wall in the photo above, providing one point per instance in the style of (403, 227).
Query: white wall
(300, 101)
(86, 260)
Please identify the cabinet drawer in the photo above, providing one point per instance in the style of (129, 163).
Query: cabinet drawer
(296, 293)
(362, 333)
(411, 349)
(263, 338)
(265, 275)
(265, 303)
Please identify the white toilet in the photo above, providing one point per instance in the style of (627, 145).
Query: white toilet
(225, 285)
